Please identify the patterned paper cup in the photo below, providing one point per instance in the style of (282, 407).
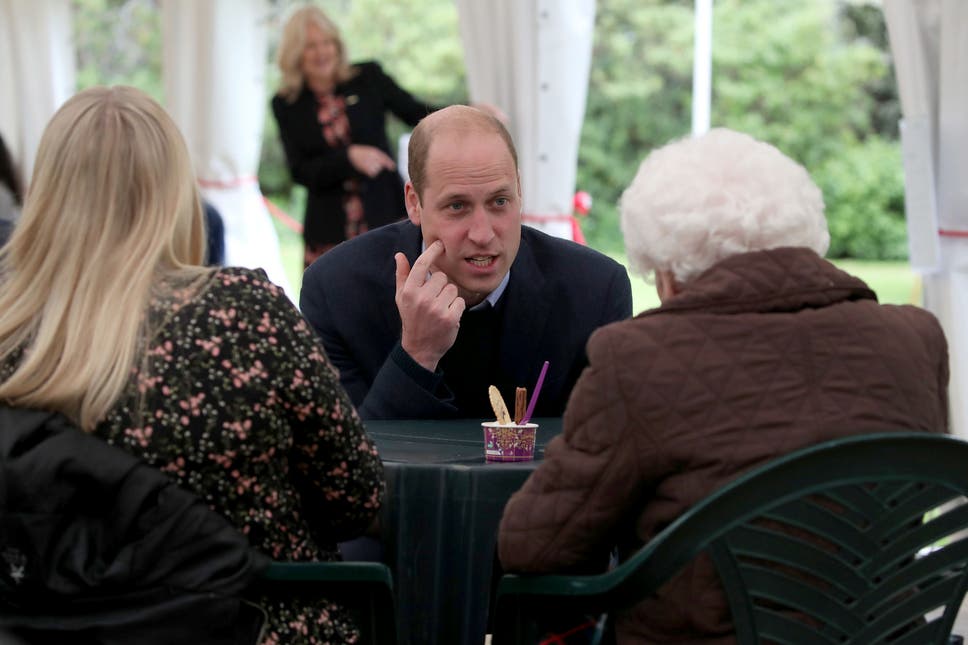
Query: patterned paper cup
(509, 442)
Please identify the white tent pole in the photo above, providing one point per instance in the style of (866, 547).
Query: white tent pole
(914, 46)
(702, 66)
(928, 41)
(952, 119)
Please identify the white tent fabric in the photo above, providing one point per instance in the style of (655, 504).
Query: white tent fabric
(929, 40)
(214, 73)
(37, 72)
(532, 58)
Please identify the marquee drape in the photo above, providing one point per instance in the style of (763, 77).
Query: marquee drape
(532, 59)
(37, 72)
(214, 72)
(929, 41)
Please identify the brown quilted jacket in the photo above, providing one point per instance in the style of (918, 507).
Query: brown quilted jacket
(764, 353)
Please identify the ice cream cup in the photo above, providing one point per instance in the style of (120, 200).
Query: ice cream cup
(509, 442)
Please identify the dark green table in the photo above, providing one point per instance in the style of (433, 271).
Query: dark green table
(439, 523)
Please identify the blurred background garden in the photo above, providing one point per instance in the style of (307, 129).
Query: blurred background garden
(813, 78)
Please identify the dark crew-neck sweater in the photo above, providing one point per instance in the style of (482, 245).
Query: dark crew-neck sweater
(472, 364)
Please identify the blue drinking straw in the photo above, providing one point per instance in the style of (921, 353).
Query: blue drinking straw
(534, 395)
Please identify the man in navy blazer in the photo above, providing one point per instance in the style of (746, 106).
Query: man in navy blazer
(420, 317)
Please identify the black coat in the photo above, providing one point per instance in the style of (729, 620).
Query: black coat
(96, 543)
(323, 169)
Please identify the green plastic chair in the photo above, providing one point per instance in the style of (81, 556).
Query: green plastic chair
(366, 588)
(883, 505)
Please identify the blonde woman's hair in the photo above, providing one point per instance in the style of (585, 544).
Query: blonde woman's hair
(112, 217)
(289, 55)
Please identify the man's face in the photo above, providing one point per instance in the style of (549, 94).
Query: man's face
(472, 203)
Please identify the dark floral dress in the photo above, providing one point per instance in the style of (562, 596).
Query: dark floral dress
(236, 400)
(331, 112)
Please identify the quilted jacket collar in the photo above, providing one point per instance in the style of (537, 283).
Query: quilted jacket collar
(776, 280)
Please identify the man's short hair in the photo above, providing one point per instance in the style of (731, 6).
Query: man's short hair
(459, 118)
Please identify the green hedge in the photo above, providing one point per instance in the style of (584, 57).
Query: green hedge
(863, 189)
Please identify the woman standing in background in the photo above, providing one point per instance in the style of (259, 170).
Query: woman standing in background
(332, 121)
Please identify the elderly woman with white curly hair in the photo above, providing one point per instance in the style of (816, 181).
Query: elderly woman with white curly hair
(760, 347)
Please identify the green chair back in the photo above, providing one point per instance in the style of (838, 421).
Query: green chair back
(365, 588)
(851, 541)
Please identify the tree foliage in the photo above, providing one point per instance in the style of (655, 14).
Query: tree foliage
(863, 188)
(809, 77)
(118, 42)
(638, 98)
(813, 78)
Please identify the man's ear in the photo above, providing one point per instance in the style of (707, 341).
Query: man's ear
(412, 200)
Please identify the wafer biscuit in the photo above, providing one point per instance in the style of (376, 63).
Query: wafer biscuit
(497, 403)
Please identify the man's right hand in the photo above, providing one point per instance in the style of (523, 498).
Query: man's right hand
(429, 307)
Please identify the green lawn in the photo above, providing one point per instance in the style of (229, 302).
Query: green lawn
(894, 282)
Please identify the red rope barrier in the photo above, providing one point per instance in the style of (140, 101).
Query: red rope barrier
(283, 216)
(576, 233)
(949, 233)
(225, 185)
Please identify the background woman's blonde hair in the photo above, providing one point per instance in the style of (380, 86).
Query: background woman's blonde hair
(289, 55)
(112, 216)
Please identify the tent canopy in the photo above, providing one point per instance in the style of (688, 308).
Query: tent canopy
(531, 57)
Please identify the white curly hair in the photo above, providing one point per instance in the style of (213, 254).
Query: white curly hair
(697, 201)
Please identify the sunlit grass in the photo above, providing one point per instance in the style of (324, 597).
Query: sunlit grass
(894, 282)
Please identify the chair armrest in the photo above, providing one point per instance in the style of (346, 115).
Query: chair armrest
(368, 572)
(366, 588)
